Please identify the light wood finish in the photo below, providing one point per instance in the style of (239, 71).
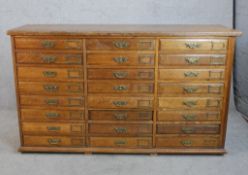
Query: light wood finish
(123, 88)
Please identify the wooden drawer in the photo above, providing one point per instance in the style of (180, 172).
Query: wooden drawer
(52, 101)
(49, 58)
(121, 142)
(191, 60)
(51, 88)
(172, 89)
(188, 116)
(188, 141)
(191, 74)
(193, 44)
(190, 103)
(120, 129)
(51, 141)
(121, 115)
(51, 115)
(119, 102)
(188, 129)
(48, 43)
(53, 74)
(120, 44)
(121, 59)
(121, 74)
(30, 128)
(120, 87)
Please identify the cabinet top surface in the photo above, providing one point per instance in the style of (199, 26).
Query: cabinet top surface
(124, 30)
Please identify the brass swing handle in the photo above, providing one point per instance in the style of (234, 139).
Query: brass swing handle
(53, 128)
(52, 115)
(120, 142)
(49, 74)
(191, 74)
(52, 101)
(120, 59)
(190, 90)
(189, 117)
(188, 130)
(54, 141)
(121, 44)
(192, 60)
(120, 88)
(120, 116)
(120, 103)
(51, 88)
(120, 75)
(190, 103)
(49, 59)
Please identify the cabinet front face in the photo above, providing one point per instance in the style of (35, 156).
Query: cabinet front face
(123, 94)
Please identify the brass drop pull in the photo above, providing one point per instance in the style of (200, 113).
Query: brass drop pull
(188, 130)
(189, 117)
(49, 59)
(49, 74)
(120, 88)
(192, 60)
(120, 130)
(54, 141)
(190, 90)
(52, 115)
(51, 88)
(120, 142)
(48, 44)
(192, 45)
(121, 44)
(52, 101)
(186, 142)
(120, 75)
(120, 103)
(53, 128)
(190, 103)
(191, 74)
(120, 116)
(120, 59)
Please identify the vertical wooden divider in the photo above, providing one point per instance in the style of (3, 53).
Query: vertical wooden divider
(155, 93)
(85, 91)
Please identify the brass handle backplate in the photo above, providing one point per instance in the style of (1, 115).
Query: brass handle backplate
(120, 59)
(186, 142)
(52, 115)
(52, 101)
(190, 90)
(192, 60)
(189, 117)
(120, 142)
(50, 88)
(121, 44)
(49, 74)
(120, 116)
(120, 75)
(192, 45)
(120, 88)
(121, 130)
(53, 128)
(120, 103)
(188, 130)
(49, 59)
(191, 74)
(54, 141)
(48, 44)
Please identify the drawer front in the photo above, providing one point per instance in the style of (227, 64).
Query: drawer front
(120, 129)
(169, 89)
(121, 115)
(188, 116)
(121, 142)
(119, 102)
(120, 44)
(120, 87)
(51, 115)
(46, 74)
(188, 141)
(121, 74)
(193, 44)
(50, 88)
(190, 103)
(48, 43)
(51, 141)
(187, 129)
(48, 58)
(191, 60)
(29, 128)
(52, 101)
(191, 74)
(121, 59)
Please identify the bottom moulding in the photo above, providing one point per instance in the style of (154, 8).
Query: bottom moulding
(217, 151)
